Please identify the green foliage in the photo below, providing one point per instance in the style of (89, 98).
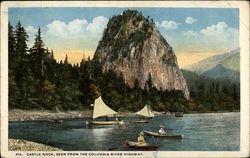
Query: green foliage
(119, 34)
(211, 94)
(11, 40)
(121, 97)
(37, 81)
(21, 38)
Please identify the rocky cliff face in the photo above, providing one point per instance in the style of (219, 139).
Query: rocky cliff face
(132, 45)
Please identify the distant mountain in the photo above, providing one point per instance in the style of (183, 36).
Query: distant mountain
(220, 72)
(229, 60)
(232, 62)
(224, 66)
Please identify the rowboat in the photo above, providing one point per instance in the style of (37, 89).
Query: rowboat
(179, 114)
(136, 145)
(101, 109)
(167, 136)
(140, 121)
(145, 118)
(56, 121)
(104, 122)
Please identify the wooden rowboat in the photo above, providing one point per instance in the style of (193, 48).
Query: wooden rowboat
(136, 145)
(145, 118)
(141, 121)
(179, 114)
(56, 121)
(104, 122)
(167, 136)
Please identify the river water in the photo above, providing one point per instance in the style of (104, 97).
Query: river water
(202, 132)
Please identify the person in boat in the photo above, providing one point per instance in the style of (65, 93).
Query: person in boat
(141, 139)
(117, 119)
(162, 131)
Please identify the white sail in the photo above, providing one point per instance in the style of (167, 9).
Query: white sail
(146, 111)
(101, 109)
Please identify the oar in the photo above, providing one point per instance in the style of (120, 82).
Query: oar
(114, 148)
(154, 141)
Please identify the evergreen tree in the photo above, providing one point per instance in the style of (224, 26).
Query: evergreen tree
(66, 60)
(36, 80)
(38, 47)
(39, 57)
(21, 39)
(11, 40)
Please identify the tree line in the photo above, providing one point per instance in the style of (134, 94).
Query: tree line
(38, 81)
(212, 94)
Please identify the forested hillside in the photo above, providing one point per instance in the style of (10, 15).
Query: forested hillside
(38, 81)
(212, 94)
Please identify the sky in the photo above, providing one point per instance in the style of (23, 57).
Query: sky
(194, 33)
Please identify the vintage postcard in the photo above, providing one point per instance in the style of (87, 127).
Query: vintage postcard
(125, 79)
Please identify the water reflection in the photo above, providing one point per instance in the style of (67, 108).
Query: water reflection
(202, 132)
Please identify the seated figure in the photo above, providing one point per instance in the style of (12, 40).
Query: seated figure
(140, 139)
(162, 131)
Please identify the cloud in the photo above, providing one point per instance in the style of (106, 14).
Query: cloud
(31, 29)
(216, 37)
(57, 28)
(168, 25)
(190, 33)
(190, 20)
(97, 24)
(218, 29)
(78, 34)
(76, 27)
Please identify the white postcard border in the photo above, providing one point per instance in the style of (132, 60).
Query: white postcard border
(244, 58)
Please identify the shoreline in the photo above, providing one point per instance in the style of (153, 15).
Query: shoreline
(24, 145)
(26, 115)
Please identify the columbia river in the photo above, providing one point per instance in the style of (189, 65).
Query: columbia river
(202, 132)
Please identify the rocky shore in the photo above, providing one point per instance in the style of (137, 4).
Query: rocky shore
(24, 145)
(23, 115)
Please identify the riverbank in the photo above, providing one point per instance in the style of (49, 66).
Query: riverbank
(24, 115)
(24, 145)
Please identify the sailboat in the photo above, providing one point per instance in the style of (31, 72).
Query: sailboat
(145, 112)
(101, 109)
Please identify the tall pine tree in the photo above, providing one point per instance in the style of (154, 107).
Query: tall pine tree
(21, 39)
(11, 40)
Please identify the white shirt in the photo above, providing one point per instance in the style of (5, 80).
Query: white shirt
(161, 131)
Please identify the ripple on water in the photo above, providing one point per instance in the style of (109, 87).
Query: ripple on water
(202, 132)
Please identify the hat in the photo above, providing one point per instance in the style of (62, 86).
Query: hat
(141, 133)
(162, 126)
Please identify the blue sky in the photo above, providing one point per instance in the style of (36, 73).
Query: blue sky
(186, 29)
